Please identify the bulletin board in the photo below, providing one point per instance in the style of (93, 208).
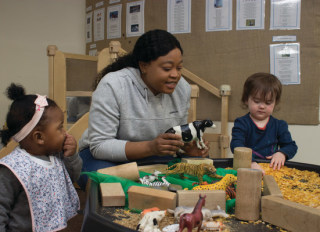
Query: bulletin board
(229, 57)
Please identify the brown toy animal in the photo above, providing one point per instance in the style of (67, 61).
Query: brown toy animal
(198, 170)
(194, 219)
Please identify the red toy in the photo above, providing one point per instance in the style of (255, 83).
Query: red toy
(194, 219)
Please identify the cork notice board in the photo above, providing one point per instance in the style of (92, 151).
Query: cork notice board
(229, 57)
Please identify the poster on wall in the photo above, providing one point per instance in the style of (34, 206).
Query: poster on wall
(250, 14)
(114, 21)
(179, 16)
(89, 27)
(285, 15)
(285, 62)
(98, 23)
(218, 15)
(135, 18)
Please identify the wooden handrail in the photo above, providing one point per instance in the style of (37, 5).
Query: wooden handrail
(204, 84)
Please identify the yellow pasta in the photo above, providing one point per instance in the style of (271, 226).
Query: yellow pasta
(296, 185)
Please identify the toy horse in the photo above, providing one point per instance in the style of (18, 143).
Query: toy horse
(194, 219)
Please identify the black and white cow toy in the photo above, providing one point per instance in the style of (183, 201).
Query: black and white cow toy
(192, 131)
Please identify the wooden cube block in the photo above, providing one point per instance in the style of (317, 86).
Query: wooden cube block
(144, 198)
(153, 167)
(112, 194)
(270, 186)
(197, 161)
(213, 199)
(289, 215)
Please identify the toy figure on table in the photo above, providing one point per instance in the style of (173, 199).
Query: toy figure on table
(192, 132)
(194, 219)
(198, 170)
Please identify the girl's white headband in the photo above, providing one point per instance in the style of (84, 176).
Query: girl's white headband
(41, 103)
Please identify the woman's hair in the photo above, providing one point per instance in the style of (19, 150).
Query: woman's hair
(149, 47)
(21, 112)
(263, 84)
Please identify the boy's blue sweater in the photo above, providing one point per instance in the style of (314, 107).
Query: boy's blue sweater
(275, 137)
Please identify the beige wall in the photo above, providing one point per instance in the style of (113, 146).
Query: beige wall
(27, 27)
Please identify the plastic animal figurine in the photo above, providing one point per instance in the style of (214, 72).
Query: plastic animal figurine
(194, 219)
(198, 170)
(192, 131)
(212, 226)
(206, 213)
(150, 221)
(226, 181)
(151, 180)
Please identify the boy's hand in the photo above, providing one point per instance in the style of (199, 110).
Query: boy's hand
(69, 146)
(277, 160)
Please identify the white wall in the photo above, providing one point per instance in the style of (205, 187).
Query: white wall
(28, 27)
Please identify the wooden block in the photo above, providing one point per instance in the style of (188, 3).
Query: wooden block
(270, 186)
(248, 197)
(213, 199)
(144, 198)
(242, 157)
(129, 171)
(197, 161)
(154, 167)
(112, 194)
(289, 215)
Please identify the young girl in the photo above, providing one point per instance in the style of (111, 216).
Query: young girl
(268, 137)
(37, 193)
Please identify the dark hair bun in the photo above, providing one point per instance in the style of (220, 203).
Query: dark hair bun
(15, 92)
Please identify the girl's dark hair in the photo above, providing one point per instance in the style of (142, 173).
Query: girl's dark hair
(148, 47)
(20, 112)
(263, 84)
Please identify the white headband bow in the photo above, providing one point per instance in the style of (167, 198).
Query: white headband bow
(41, 103)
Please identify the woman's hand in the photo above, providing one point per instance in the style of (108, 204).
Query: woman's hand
(191, 149)
(166, 144)
(277, 160)
(69, 146)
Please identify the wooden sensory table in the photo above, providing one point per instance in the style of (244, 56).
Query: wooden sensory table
(98, 218)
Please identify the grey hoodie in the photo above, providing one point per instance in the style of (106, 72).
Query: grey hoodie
(124, 109)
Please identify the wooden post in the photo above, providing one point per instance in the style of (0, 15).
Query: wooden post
(193, 103)
(242, 157)
(51, 52)
(248, 199)
(108, 55)
(225, 92)
(129, 171)
(114, 49)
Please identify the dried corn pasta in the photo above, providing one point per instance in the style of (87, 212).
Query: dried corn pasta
(296, 185)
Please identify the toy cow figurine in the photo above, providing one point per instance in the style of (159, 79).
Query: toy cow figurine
(192, 131)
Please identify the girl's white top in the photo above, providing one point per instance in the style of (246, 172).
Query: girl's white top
(52, 197)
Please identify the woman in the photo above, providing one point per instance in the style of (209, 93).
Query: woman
(138, 98)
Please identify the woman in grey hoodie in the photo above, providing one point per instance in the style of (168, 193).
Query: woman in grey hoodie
(138, 97)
